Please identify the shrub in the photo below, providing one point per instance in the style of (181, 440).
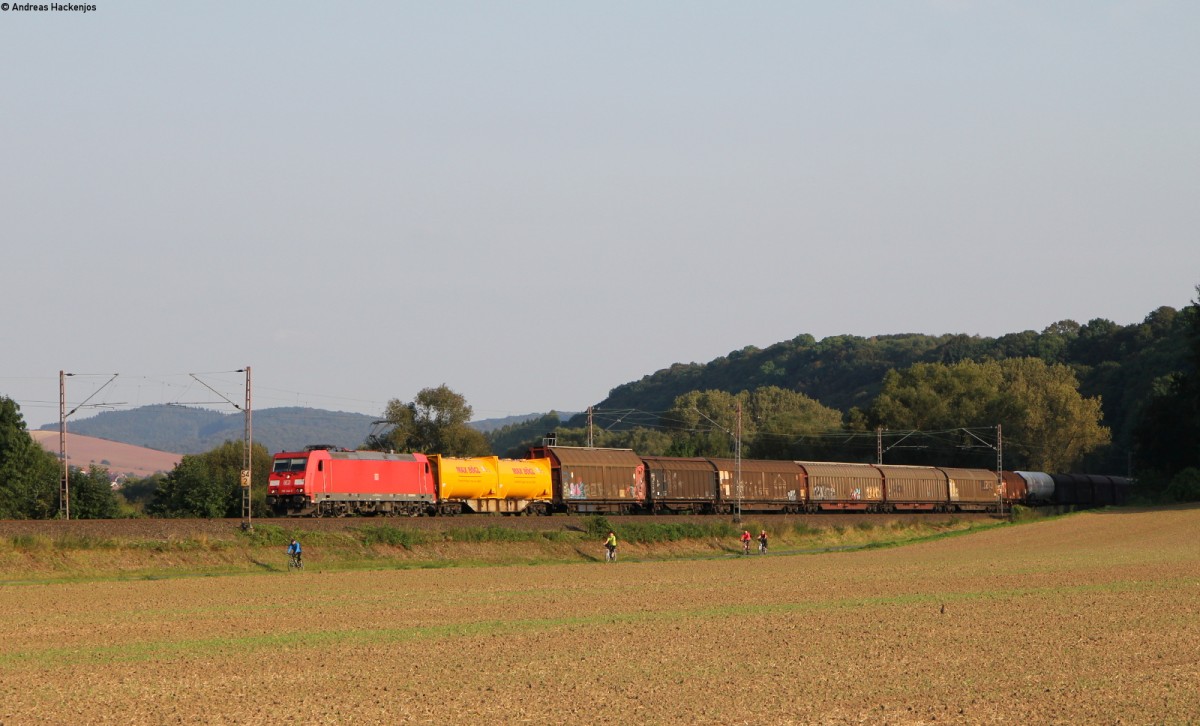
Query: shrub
(491, 533)
(394, 536)
(30, 542)
(1022, 513)
(267, 534)
(82, 542)
(1185, 486)
(651, 532)
(598, 527)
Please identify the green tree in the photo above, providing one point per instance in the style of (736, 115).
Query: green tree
(651, 442)
(788, 424)
(1054, 426)
(139, 493)
(934, 396)
(435, 422)
(776, 422)
(92, 495)
(29, 475)
(1056, 339)
(701, 423)
(209, 484)
(1048, 425)
(1096, 342)
(1167, 433)
(191, 490)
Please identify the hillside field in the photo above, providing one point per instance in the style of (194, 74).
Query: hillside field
(117, 457)
(1089, 618)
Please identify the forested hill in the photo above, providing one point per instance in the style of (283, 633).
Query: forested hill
(1122, 364)
(186, 430)
(840, 372)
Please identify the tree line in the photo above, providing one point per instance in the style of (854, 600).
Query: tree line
(1100, 397)
(947, 413)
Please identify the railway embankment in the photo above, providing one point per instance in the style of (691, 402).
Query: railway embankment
(55, 551)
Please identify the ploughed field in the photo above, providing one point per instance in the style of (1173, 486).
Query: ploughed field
(1090, 618)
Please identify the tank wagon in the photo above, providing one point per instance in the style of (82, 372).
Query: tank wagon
(327, 481)
(491, 484)
(1039, 487)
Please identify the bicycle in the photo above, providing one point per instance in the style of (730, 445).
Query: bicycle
(745, 547)
(295, 562)
(610, 554)
(762, 548)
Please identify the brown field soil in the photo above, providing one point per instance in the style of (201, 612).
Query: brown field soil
(117, 457)
(1090, 618)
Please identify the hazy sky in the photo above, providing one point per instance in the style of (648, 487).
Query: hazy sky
(534, 202)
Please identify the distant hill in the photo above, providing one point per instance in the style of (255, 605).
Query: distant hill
(193, 430)
(491, 425)
(117, 457)
(487, 425)
(196, 430)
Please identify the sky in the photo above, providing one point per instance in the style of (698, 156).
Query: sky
(535, 202)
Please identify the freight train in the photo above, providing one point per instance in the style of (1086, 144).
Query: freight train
(328, 481)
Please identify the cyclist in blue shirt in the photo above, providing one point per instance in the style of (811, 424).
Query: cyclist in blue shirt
(295, 552)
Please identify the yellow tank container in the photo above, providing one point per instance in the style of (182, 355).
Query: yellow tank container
(474, 478)
(525, 479)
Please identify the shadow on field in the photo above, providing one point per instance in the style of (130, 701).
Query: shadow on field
(586, 555)
(264, 565)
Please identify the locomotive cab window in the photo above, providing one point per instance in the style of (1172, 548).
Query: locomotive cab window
(285, 466)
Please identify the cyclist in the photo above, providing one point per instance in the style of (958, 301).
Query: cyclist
(745, 541)
(762, 542)
(295, 553)
(610, 544)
